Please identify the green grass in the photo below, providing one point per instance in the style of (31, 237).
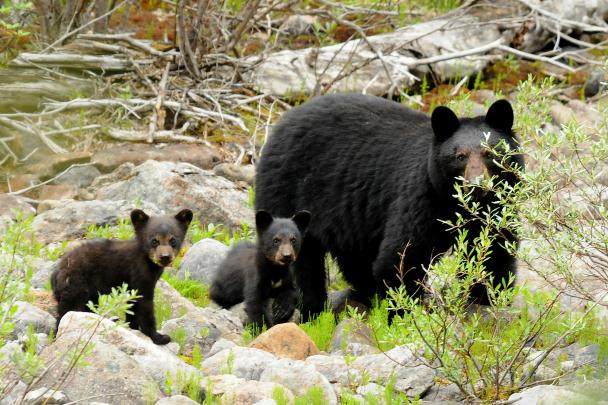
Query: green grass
(321, 329)
(194, 290)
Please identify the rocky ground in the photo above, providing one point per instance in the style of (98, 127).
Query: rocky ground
(125, 367)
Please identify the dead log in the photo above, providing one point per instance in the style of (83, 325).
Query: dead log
(459, 43)
(75, 61)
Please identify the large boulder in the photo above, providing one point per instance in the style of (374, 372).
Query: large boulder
(171, 185)
(110, 367)
(159, 362)
(68, 219)
(202, 260)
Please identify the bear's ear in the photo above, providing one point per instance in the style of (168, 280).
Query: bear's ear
(302, 219)
(444, 123)
(263, 219)
(500, 115)
(139, 218)
(184, 217)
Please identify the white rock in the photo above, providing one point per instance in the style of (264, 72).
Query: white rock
(299, 377)
(176, 400)
(202, 260)
(46, 396)
(158, 361)
(28, 314)
(243, 362)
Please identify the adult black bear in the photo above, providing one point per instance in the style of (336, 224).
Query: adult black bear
(375, 175)
(255, 273)
(95, 267)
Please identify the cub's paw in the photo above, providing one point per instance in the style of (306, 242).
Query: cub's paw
(160, 339)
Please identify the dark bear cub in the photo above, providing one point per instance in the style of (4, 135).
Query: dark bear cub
(96, 266)
(255, 273)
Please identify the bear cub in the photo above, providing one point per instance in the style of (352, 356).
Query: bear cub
(255, 273)
(95, 267)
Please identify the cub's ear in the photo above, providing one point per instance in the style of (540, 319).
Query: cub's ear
(184, 217)
(263, 219)
(444, 123)
(500, 115)
(302, 219)
(139, 219)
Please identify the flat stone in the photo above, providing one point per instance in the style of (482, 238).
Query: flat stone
(201, 156)
(286, 340)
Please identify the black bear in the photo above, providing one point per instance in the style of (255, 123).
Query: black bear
(95, 267)
(255, 273)
(377, 176)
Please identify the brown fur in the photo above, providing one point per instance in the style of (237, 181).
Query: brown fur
(95, 267)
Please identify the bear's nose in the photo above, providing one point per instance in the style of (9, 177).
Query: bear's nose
(287, 257)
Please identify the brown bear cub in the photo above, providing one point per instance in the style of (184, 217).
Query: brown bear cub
(255, 273)
(96, 266)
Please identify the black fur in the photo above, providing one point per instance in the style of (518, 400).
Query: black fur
(95, 267)
(375, 175)
(255, 273)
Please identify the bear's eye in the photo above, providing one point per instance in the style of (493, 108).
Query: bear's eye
(173, 242)
(154, 242)
(461, 157)
(292, 240)
(276, 241)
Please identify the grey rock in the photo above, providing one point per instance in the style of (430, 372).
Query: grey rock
(13, 392)
(380, 368)
(299, 377)
(335, 369)
(249, 392)
(203, 326)
(594, 83)
(111, 374)
(536, 395)
(45, 396)
(176, 400)
(171, 185)
(371, 389)
(297, 24)
(158, 361)
(27, 314)
(353, 337)
(219, 345)
(41, 277)
(414, 381)
(79, 176)
(444, 393)
(9, 204)
(235, 173)
(68, 219)
(242, 362)
(202, 260)
(266, 401)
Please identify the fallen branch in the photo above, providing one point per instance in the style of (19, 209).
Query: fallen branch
(75, 61)
(159, 136)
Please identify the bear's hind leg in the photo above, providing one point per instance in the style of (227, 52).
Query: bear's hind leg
(309, 270)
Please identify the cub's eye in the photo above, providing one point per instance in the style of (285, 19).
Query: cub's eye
(154, 243)
(173, 242)
(276, 241)
(461, 157)
(292, 240)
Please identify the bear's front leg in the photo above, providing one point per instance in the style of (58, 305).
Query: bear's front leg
(256, 302)
(144, 318)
